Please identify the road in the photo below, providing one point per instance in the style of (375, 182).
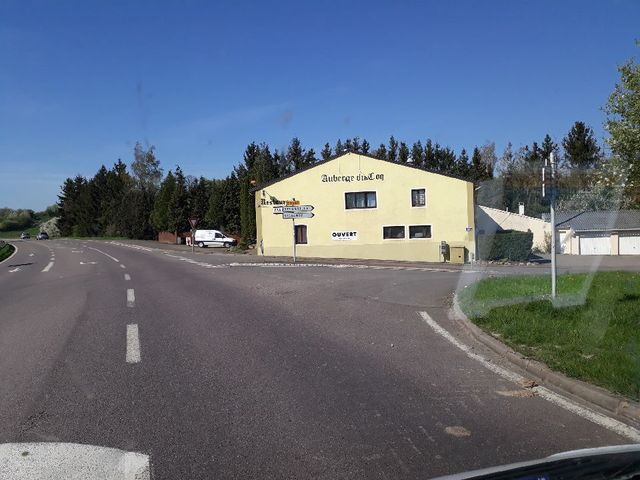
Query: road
(218, 371)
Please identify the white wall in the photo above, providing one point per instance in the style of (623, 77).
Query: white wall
(492, 219)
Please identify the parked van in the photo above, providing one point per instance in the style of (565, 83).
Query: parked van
(215, 238)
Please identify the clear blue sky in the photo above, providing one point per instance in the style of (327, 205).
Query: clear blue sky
(82, 81)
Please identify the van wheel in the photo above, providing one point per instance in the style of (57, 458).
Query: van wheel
(226, 245)
(201, 244)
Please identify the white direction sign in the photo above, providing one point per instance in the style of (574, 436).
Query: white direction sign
(292, 208)
(292, 215)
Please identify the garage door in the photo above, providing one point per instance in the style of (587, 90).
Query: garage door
(630, 244)
(595, 244)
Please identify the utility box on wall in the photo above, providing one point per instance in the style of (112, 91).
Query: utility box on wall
(456, 255)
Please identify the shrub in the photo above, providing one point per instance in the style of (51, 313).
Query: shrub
(505, 245)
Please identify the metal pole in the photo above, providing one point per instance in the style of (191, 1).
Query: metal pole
(192, 239)
(553, 226)
(293, 222)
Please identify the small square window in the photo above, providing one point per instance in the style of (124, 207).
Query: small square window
(420, 231)
(418, 197)
(393, 232)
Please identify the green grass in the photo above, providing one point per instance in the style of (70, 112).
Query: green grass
(6, 250)
(16, 233)
(591, 332)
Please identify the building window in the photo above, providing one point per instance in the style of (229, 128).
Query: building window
(301, 234)
(420, 231)
(418, 197)
(393, 232)
(360, 200)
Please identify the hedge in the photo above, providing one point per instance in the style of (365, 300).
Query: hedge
(505, 245)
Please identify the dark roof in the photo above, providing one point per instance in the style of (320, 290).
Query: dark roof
(322, 162)
(599, 220)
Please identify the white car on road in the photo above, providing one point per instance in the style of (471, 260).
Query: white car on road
(214, 238)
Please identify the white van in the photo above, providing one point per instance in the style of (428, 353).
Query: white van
(215, 238)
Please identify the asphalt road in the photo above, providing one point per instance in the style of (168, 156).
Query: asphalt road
(257, 372)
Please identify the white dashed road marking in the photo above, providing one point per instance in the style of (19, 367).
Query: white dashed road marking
(595, 417)
(131, 297)
(17, 269)
(133, 344)
(122, 266)
(48, 267)
(106, 254)
(31, 254)
(71, 461)
(127, 277)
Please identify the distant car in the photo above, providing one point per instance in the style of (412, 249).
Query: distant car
(42, 236)
(25, 236)
(215, 238)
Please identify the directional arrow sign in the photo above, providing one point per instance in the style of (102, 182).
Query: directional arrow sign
(290, 215)
(293, 208)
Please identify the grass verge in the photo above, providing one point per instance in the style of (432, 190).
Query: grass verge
(591, 331)
(6, 250)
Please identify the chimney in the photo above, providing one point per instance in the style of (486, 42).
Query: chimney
(520, 208)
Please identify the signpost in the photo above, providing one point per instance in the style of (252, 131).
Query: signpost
(291, 212)
(293, 208)
(292, 215)
(193, 222)
(551, 162)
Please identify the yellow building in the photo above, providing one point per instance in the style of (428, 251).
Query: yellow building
(367, 208)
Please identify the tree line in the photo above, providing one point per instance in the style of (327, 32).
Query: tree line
(141, 201)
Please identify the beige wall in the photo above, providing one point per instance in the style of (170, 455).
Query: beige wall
(449, 211)
(492, 219)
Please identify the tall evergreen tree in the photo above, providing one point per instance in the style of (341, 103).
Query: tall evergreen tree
(392, 153)
(403, 153)
(477, 171)
(179, 204)
(365, 147)
(417, 154)
(326, 152)
(462, 166)
(161, 210)
(581, 150)
(429, 155)
(381, 152)
(339, 148)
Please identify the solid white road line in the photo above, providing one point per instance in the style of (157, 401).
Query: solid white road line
(595, 417)
(131, 297)
(48, 267)
(133, 344)
(127, 277)
(106, 254)
(71, 461)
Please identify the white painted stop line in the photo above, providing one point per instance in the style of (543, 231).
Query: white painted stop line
(71, 461)
(133, 344)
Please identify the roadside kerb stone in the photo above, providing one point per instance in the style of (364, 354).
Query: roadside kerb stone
(614, 404)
